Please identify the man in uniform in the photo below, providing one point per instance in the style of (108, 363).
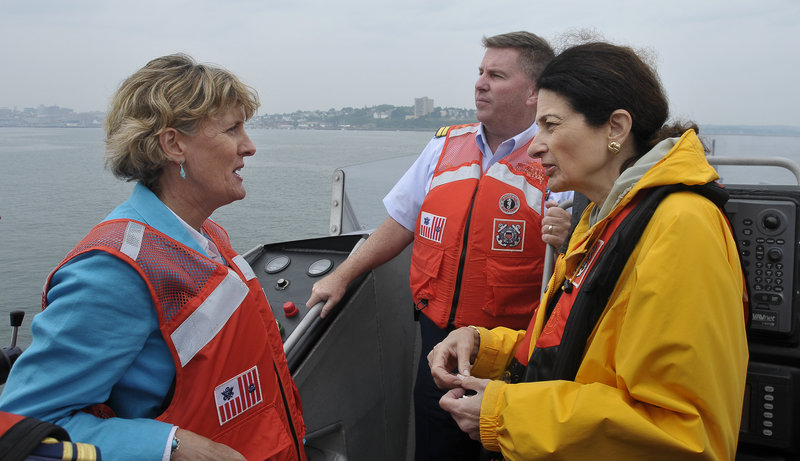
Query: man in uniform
(473, 203)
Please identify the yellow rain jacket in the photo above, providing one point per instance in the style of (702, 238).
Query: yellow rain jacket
(663, 373)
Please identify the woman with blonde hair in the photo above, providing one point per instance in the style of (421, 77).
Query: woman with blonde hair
(156, 340)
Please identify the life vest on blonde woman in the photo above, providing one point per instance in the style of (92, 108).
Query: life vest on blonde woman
(478, 254)
(232, 383)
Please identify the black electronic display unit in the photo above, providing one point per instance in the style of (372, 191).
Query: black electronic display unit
(766, 224)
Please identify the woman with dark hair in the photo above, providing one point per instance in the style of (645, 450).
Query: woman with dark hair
(638, 348)
(156, 341)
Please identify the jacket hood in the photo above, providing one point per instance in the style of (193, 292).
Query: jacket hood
(678, 161)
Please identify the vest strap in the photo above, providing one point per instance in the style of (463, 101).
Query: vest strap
(25, 435)
(562, 362)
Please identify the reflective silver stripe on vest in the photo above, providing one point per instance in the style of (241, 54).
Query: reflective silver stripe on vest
(533, 196)
(132, 240)
(241, 263)
(464, 130)
(471, 171)
(208, 319)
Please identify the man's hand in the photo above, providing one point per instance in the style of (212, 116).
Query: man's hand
(195, 447)
(330, 289)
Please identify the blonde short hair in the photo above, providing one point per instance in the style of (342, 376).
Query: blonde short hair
(169, 92)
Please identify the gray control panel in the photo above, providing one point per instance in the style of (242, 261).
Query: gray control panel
(765, 233)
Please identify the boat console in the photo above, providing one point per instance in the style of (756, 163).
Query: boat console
(354, 369)
(766, 223)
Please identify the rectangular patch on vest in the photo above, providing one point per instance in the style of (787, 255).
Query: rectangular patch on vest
(236, 395)
(509, 235)
(587, 262)
(431, 226)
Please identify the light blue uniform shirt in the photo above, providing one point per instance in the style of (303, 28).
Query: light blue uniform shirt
(405, 199)
(99, 341)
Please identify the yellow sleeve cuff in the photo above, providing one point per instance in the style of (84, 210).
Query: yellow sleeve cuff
(496, 351)
(490, 411)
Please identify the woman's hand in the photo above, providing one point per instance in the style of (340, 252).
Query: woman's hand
(555, 224)
(196, 447)
(455, 352)
(464, 408)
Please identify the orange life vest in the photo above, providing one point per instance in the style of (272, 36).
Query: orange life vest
(554, 328)
(559, 348)
(478, 255)
(7, 420)
(232, 383)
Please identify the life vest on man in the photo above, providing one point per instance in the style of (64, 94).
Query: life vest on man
(477, 256)
(232, 383)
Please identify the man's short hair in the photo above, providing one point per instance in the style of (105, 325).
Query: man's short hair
(534, 51)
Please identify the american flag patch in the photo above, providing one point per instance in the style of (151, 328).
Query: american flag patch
(431, 226)
(236, 395)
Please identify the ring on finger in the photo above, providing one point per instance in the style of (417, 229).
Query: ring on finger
(550, 228)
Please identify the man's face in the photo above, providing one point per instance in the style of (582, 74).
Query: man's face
(504, 95)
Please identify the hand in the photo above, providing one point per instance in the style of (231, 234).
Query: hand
(556, 223)
(330, 289)
(466, 410)
(196, 447)
(456, 351)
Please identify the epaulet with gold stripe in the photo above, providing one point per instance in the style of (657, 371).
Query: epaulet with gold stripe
(442, 132)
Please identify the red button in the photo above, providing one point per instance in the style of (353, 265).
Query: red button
(289, 309)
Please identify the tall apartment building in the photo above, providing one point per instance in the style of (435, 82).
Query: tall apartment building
(422, 106)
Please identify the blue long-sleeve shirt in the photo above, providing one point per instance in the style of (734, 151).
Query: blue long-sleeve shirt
(98, 341)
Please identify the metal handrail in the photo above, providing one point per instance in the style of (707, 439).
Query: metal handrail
(759, 161)
(549, 255)
(311, 317)
(782, 162)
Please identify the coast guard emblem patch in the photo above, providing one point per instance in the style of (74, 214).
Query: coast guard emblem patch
(431, 226)
(509, 203)
(509, 235)
(236, 395)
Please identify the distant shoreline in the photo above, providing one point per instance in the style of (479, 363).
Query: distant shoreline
(705, 130)
(384, 117)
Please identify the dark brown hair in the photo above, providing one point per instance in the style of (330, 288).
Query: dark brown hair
(598, 78)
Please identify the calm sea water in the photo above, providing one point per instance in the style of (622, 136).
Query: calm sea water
(53, 189)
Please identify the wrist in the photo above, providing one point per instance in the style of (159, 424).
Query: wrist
(476, 345)
(176, 445)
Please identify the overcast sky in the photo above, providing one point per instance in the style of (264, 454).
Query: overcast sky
(721, 61)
